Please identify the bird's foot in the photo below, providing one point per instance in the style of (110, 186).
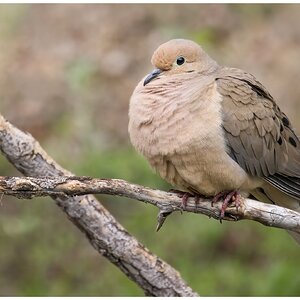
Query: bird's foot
(185, 196)
(218, 197)
(227, 198)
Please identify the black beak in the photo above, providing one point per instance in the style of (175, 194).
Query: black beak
(152, 75)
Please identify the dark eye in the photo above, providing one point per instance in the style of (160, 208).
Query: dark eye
(180, 60)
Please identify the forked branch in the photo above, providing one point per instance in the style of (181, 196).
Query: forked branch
(106, 235)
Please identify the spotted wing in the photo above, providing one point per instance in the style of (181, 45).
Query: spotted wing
(259, 136)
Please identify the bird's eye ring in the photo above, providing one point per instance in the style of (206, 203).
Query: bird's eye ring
(180, 60)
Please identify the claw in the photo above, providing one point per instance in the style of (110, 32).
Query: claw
(232, 196)
(229, 197)
(184, 200)
(184, 197)
(217, 198)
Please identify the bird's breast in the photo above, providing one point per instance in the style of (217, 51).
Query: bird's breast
(181, 135)
(165, 118)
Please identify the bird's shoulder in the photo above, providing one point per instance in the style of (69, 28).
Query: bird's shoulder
(234, 80)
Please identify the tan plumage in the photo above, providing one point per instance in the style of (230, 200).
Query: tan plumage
(207, 128)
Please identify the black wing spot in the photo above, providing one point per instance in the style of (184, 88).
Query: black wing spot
(281, 128)
(292, 142)
(279, 141)
(258, 90)
(285, 121)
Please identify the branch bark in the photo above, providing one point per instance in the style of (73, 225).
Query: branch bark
(106, 235)
(267, 214)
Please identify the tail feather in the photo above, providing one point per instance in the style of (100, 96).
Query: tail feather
(271, 194)
(289, 185)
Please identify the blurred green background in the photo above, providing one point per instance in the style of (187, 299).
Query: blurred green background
(66, 76)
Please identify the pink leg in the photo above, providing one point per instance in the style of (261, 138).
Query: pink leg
(185, 196)
(218, 197)
(184, 200)
(197, 197)
(227, 197)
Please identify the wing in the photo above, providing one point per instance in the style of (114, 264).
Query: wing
(259, 136)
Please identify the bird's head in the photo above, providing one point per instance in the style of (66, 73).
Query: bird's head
(179, 56)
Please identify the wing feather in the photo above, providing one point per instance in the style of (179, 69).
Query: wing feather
(259, 136)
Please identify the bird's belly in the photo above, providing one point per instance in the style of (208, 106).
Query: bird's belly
(202, 170)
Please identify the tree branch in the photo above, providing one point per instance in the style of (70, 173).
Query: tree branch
(106, 235)
(267, 214)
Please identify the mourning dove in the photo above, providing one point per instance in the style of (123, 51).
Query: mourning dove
(209, 129)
